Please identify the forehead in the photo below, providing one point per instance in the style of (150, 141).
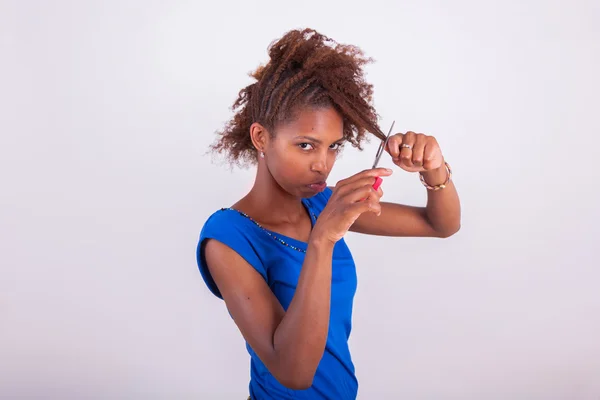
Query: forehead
(325, 123)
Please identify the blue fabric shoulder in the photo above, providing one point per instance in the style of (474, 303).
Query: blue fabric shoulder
(230, 228)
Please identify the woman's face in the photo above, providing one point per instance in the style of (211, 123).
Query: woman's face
(301, 154)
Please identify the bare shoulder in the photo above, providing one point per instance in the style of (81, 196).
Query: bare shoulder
(230, 271)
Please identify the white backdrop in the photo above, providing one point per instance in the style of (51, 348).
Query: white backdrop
(107, 109)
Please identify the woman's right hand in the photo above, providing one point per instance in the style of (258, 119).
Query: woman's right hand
(350, 198)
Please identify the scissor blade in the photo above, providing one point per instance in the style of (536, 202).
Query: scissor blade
(382, 146)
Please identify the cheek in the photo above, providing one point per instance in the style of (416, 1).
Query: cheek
(288, 166)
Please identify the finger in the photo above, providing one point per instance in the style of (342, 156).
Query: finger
(430, 152)
(377, 189)
(362, 186)
(368, 173)
(346, 195)
(393, 145)
(365, 206)
(361, 194)
(406, 149)
(418, 149)
(379, 193)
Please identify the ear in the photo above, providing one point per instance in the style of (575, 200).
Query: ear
(259, 136)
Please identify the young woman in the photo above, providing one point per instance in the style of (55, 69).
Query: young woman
(277, 257)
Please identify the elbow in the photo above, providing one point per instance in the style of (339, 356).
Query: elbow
(297, 376)
(299, 384)
(296, 369)
(446, 233)
(297, 381)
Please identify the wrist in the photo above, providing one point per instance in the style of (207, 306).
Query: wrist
(320, 241)
(436, 176)
(432, 176)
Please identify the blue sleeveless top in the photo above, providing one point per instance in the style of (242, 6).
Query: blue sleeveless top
(278, 259)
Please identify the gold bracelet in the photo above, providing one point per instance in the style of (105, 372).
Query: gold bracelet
(441, 186)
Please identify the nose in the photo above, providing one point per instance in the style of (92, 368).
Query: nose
(319, 164)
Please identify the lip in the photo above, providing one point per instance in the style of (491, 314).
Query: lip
(317, 186)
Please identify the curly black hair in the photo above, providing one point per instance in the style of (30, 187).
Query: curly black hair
(306, 69)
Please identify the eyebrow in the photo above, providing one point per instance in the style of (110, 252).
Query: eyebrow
(315, 140)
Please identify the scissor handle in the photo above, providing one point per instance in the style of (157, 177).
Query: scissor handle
(377, 183)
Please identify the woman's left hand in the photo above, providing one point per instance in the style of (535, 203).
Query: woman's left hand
(415, 152)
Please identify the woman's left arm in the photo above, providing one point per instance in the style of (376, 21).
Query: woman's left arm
(416, 152)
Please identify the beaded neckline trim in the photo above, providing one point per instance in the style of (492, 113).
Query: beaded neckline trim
(275, 237)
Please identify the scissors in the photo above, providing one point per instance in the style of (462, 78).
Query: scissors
(378, 180)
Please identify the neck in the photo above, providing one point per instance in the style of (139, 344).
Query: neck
(275, 203)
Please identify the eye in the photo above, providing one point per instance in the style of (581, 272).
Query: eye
(336, 146)
(305, 146)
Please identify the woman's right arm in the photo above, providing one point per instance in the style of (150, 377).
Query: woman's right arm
(291, 344)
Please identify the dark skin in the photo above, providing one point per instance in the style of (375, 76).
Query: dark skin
(301, 153)
(291, 343)
(417, 152)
